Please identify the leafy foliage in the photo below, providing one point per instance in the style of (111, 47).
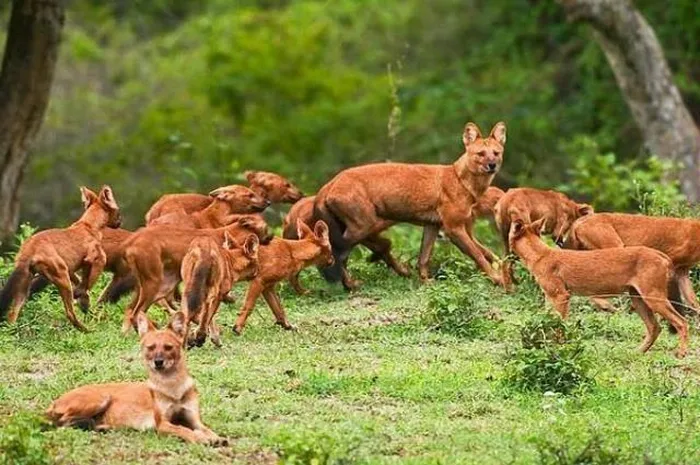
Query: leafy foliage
(22, 443)
(551, 357)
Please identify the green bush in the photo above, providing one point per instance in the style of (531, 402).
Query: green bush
(551, 357)
(459, 306)
(312, 449)
(21, 442)
(593, 453)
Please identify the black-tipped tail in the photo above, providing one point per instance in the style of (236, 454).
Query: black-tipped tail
(38, 285)
(333, 273)
(197, 289)
(122, 287)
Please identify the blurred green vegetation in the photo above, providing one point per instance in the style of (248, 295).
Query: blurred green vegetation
(155, 96)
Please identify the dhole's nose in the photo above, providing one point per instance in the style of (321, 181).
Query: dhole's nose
(158, 363)
(491, 167)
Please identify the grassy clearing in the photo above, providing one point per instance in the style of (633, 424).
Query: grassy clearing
(368, 378)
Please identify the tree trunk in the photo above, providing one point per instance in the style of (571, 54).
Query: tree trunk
(641, 70)
(28, 65)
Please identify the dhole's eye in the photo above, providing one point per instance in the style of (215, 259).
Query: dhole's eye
(495, 154)
(482, 153)
(168, 347)
(150, 346)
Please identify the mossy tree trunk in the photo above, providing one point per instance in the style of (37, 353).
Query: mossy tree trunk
(642, 72)
(28, 65)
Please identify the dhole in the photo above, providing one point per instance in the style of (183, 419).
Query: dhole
(226, 206)
(168, 402)
(643, 272)
(361, 202)
(271, 186)
(59, 253)
(208, 273)
(675, 237)
(281, 259)
(304, 210)
(529, 205)
(154, 257)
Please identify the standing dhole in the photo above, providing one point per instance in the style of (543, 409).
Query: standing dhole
(209, 270)
(281, 259)
(643, 272)
(168, 402)
(59, 253)
(361, 202)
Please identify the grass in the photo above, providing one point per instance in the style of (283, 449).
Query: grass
(367, 378)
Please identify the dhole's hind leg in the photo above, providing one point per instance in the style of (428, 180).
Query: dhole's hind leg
(254, 290)
(686, 288)
(381, 247)
(652, 326)
(91, 270)
(79, 409)
(658, 302)
(57, 272)
(430, 233)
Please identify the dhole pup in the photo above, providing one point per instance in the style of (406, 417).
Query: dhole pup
(361, 202)
(168, 401)
(281, 259)
(271, 186)
(380, 246)
(59, 253)
(209, 270)
(643, 272)
(678, 238)
(154, 257)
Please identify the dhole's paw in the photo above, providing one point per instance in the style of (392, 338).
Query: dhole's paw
(286, 325)
(402, 269)
(84, 303)
(218, 442)
(237, 330)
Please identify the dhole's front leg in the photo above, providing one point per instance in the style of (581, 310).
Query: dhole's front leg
(254, 290)
(273, 301)
(56, 271)
(459, 236)
(195, 422)
(189, 435)
(686, 288)
(296, 285)
(560, 302)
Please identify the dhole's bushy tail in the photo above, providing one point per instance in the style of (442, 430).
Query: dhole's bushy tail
(196, 290)
(119, 289)
(333, 273)
(18, 282)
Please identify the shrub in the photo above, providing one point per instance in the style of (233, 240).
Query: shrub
(314, 449)
(460, 307)
(593, 453)
(21, 442)
(551, 357)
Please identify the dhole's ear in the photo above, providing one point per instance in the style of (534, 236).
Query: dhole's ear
(177, 324)
(247, 222)
(517, 228)
(143, 324)
(87, 196)
(107, 197)
(498, 132)
(250, 248)
(321, 230)
(229, 242)
(303, 229)
(536, 226)
(471, 133)
(250, 176)
(584, 209)
(222, 193)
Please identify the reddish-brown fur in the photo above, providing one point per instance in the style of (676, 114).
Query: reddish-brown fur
(225, 208)
(154, 257)
(271, 186)
(528, 205)
(643, 272)
(361, 202)
(58, 254)
(281, 259)
(381, 250)
(209, 270)
(168, 402)
(678, 238)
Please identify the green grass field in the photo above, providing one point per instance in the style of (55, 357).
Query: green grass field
(369, 377)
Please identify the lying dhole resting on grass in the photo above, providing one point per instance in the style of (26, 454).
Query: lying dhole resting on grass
(643, 272)
(168, 402)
